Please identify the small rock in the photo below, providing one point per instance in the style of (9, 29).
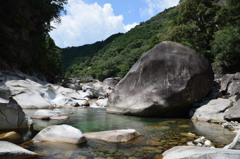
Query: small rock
(12, 137)
(207, 143)
(190, 143)
(114, 135)
(200, 140)
(199, 144)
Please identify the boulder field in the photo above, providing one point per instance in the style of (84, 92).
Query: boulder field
(164, 82)
(32, 93)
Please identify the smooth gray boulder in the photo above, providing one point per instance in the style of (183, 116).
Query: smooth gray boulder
(230, 84)
(60, 133)
(164, 82)
(11, 114)
(114, 135)
(194, 152)
(233, 113)
(12, 151)
(212, 111)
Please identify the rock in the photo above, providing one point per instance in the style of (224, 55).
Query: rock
(82, 102)
(190, 143)
(114, 135)
(200, 140)
(11, 114)
(59, 117)
(194, 152)
(11, 151)
(102, 102)
(111, 82)
(199, 145)
(212, 111)
(230, 84)
(72, 83)
(233, 113)
(28, 99)
(48, 114)
(100, 86)
(164, 82)
(12, 137)
(60, 133)
(94, 93)
(30, 92)
(235, 144)
(207, 143)
(233, 126)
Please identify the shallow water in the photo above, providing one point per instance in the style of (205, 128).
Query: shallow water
(158, 135)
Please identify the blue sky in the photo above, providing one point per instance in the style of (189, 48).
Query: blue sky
(88, 21)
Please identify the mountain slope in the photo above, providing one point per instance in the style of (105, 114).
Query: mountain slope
(203, 25)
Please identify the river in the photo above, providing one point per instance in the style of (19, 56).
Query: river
(158, 135)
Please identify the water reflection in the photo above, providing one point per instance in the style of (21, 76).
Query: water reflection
(158, 135)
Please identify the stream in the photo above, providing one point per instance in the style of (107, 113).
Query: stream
(158, 135)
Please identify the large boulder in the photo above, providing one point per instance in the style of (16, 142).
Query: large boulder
(194, 152)
(11, 114)
(233, 113)
(60, 133)
(230, 84)
(114, 135)
(164, 82)
(212, 111)
(11, 151)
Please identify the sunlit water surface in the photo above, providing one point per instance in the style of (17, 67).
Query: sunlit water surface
(158, 135)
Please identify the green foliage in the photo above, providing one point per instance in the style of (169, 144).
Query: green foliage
(195, 25)
(25, 43)
(117, 56)
(226, 45)
(204, 25)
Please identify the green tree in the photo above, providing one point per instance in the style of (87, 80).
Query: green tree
(226, 45)
(196, 25)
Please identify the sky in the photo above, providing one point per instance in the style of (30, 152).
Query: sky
(89, 21)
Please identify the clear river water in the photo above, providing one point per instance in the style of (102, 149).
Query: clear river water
(157, 135)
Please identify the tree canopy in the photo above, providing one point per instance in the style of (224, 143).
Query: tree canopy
(25, 42)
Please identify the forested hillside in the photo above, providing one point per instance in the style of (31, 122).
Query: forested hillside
(25, 43)
(211, 28)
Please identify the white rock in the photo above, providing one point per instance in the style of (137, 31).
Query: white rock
(200, 140)
(45, 114)
(193, 152)
(30, 92)
(212, 111)
(199, 144)
(12, 151)
(114, 135)
(190, 143)
(60, 133)
(207, 143)
(102, 102)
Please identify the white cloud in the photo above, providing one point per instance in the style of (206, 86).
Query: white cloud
(156, 6)
(86, 24)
